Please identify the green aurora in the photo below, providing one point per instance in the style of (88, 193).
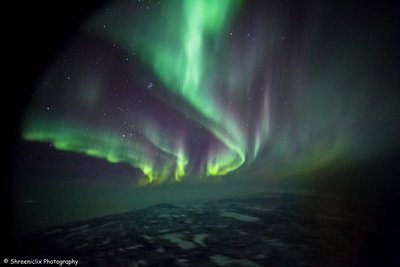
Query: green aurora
(225, 96)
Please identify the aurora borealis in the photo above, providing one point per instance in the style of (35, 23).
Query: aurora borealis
(184, 90)
(132, 119)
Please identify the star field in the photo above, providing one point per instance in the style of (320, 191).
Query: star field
(196, 89)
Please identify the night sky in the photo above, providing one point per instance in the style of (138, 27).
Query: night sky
(211, 94)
